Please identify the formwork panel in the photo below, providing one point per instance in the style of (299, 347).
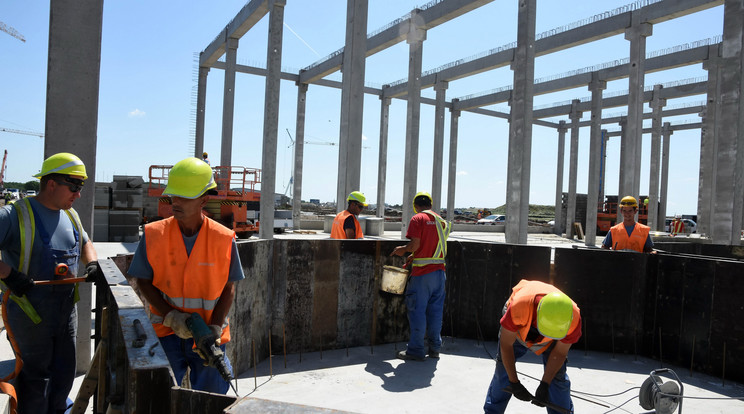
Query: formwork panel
(479, 281)
(610, 289)
(325, 293)
(727, 329)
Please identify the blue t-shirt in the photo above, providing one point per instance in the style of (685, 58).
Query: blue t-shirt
(58, 226)
(649, 245)
(141, 269)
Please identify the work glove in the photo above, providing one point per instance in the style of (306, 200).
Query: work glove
(541, 395)
(176, 320)
(94, 274)
(18, 283)
(519, 391)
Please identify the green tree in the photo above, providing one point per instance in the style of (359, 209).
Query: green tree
(32, 185)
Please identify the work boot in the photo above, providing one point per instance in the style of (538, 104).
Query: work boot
(404, 355)
(433, 354)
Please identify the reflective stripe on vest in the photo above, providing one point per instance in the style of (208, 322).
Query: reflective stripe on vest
(522, 303)
(441, 251)
(189, 283)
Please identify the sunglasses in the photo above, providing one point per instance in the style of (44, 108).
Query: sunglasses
(73, 184)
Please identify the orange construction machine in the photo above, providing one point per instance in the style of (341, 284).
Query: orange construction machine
(236, 204)
(607, 213)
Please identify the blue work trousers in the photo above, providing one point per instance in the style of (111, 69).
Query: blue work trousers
(47, 349)
(425, 303)
(497, 399)
(181, 355)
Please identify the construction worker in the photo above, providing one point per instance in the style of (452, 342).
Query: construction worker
(39, 233)
(677, 226)
(346, 225)
(428, 233)
(188, 263)
(629, 234)
(540, 318)
(205, 158)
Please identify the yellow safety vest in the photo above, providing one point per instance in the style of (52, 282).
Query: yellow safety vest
(443, 231)
(27, 225)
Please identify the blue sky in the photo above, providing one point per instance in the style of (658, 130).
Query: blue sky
(147, 85)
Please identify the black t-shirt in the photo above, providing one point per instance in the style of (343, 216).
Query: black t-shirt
(349, 223)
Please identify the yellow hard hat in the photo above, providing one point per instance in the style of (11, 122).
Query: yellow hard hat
(63, 163)
(554, 315)
(189, 178)
(629, 201)
(204, 154)
(357, 196)
(419, 194)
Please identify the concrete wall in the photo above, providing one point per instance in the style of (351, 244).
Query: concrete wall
(683, 310)
(321, 294)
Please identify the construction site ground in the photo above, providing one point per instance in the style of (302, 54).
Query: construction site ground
(371, 380)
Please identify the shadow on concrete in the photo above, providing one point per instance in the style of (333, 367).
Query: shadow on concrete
(407, 376)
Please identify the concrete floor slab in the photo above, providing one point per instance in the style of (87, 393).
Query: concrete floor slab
(372, 380)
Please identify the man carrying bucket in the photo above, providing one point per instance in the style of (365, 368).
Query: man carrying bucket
(428, 233)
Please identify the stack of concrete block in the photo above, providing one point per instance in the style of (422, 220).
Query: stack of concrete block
(102, 204)
(125, 214)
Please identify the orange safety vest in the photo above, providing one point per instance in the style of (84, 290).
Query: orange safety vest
(337, 231)
(192, 283)
(636, 241)
(523, 312)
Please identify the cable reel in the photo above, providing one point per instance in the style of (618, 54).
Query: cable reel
(662, 397)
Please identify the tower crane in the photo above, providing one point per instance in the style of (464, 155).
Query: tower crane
(11, 31)
(2, 170)
(18, 131)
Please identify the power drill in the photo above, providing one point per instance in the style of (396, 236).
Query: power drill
(204, 339)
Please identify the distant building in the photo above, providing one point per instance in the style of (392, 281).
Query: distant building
(315, 201)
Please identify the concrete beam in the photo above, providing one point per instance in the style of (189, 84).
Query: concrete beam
(427, 19)
(672, 128)
(587, 33)
(680, 91)
(246, 18)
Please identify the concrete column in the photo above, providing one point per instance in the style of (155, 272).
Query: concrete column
(727, 214)
(352, 102)
(228, 102)
(636, 34)
(666, 132)
(573, 165)
(653, 188)
(603, 167)
(452, 174)
(595, 160)
(558, 227)
(436, 177)
(73, 73)
(201, 103)
(299, 153)
(520, 126)
(415, 40)
(382, 160)
(623, 155)
(708, 133)
(271, 117)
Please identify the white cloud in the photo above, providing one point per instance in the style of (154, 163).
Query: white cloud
(136, 113)
(462, 173)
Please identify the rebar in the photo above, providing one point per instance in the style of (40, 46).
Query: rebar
(255, 371)
(284, 345)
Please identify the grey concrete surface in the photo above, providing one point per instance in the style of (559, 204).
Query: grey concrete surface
(372, 380)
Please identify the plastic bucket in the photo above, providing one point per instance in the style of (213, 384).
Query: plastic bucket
(394, 280)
